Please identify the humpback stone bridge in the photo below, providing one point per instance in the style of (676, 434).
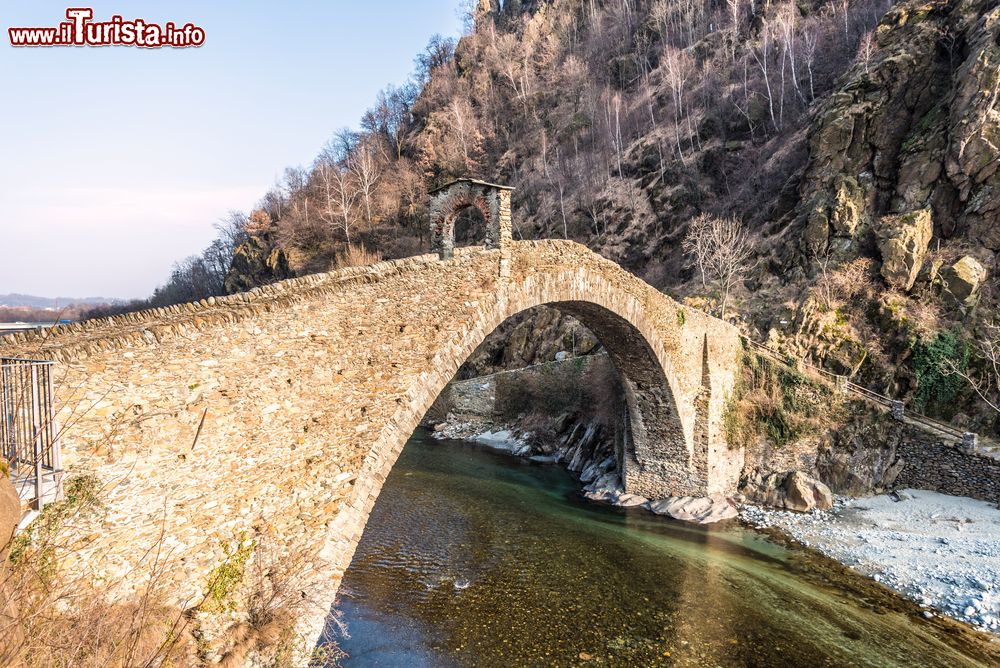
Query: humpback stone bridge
(278, 413)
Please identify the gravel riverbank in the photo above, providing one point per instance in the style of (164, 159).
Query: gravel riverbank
(941, 551)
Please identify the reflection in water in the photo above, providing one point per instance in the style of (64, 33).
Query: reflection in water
(474, 558)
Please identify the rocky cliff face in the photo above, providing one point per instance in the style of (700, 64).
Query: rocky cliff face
(259, 260)
(892, 242)
(541, 335)
(913, 131)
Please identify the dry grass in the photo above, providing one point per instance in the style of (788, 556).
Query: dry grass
(57, 619)
(275, 602)
(54, 619)
(777, 404)
(355, 256)
(53, 614)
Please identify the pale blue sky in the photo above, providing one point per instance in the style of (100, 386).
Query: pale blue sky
(117, 161)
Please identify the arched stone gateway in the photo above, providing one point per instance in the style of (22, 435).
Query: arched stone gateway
(278, 413)
(492, 201)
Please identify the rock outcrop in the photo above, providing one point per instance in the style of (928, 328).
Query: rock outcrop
(902, 242)
(962, 280)
(259, 260)
(531, 338)
(915, 127)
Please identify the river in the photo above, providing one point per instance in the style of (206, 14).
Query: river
(475, 558)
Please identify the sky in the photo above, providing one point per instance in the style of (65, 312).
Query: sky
(116, 161)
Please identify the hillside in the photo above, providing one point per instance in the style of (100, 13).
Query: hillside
(859, 141)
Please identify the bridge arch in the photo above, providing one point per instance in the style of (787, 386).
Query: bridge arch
(674, 401)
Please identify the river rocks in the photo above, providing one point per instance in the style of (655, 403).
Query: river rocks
(962, 280)
(504, 439)
(606, 488)
(630, 500)
(941, 551)
(902, 242)
(597, 469)
(696, 509)
(791, 491)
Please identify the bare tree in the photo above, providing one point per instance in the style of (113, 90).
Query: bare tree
(695, 245)
(365, 165)
(438, 53)
(788, 30)
(735, 9)
(677, 66)
(337, 193)
(390, 116)
(462, 119)
(866, 50)
(763, 58)
(810, 40)
(723, 251)
(232, 229)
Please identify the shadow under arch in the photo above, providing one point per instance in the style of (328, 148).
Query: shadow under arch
(651, 417)
(676, 367)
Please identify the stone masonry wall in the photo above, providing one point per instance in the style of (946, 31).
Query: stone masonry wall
(873, 452)
(948, 468)
(277, 414)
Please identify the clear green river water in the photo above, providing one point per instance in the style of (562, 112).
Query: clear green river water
(476, 558)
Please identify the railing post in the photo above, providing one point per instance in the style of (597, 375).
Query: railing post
(6, 426)
(898, 409)
(36, 432)
(54, 445)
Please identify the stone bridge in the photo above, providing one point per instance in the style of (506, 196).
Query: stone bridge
(278, 413)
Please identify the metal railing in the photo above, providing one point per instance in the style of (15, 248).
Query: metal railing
(896, 407)
(29, 437)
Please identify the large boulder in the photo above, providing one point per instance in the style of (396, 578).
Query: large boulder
(789, 491)
(962, 280)
(696, 509)
(803, 493)
(902, 242)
